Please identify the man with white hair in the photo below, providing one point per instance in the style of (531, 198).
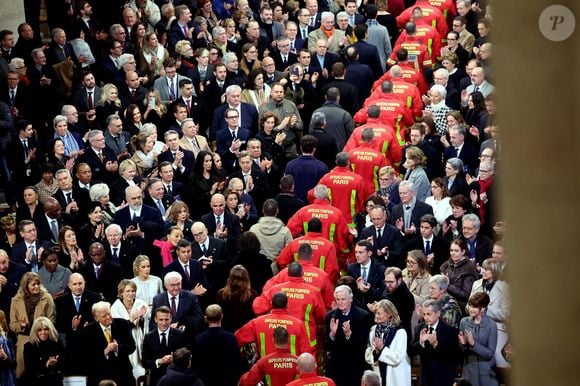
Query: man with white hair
(146, 10)
(478, 83)
(406, 215)
(453, 97)
(120, 251)
(346, 336)
(184, 305)
(102, 160)
(247, 113)
(235, 75)
(334, 37)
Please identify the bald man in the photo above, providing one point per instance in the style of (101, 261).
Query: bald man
(308, 375)
(221, 224)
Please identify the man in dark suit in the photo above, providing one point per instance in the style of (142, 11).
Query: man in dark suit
(398, 293)
(216, 87)
(367, 53)
(139, 221)
(248, 119)
(212, 253)
(368, 274)
(387, 242)
(437, 345)
(288, 202)
(346, 337)
(102, 276)
(407, 214)
(184, 306)
(160, 343)
(85, 98)
(271, 73)
(479, 247)
(21, 155)
(27, 252)
(182, 28)
(15, 94)
(434, 247)
(122, 252)
(358, 74)
(174, 189)
(109, 70)
(255, 180)
(157, 197)
(60, 50)
(232, 139)
(102, 160)
(10, 274)
(49, 224)
(191, 270)
(283, 57)
(74, 307)
(322, 60)
(133, 93)
(348, 93)
(465, 151)
(196, 106)
(295, 40)
(222, 225)
(107, 344)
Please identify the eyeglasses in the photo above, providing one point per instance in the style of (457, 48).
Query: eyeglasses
(232, 117)
(411, 262)
(213, 53)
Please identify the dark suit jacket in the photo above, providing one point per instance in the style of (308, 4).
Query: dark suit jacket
(437, 364)
(119, 144)
(249, 118)
(127, 99)
(113, 366)
(125, 256)
(109, 73)
(196, 273)
(290, 60)
(419, 211)
(348, 95)
(375, 277)
(66, 309)
(459, 186)
(21, 98)
(217, 273)
(439, 247)
(55, 54)
(198, 111)
(152, 351)
(369, 54)
(19, 253)
(469, 155)
(231, 222)
(43, 230)
(188, 312)
(17, 163)
(100, 173)
(178, 190)
(13, 276)
(195, 77)
(483, 248)
(188, 162)
(261, 189)
(80, 99)
(167, 200)
(391, 238)
(346, 360)
(362, 77)
(150, 221)
(329, 60)
(110, 275)
(224, 141)
(212, 94)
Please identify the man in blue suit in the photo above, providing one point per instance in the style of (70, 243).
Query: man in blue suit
(367, 53)
(185, 310)
(358, 74)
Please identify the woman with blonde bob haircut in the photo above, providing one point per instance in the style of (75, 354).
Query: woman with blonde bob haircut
(43, 355)
(387, 346)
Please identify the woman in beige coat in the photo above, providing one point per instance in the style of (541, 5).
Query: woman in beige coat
(30, 302)
(417, 276)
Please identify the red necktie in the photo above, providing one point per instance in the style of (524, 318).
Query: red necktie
(133, 93)
(188, 102)
(90, 100)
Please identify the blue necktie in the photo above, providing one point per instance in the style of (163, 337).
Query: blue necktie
(427, 247)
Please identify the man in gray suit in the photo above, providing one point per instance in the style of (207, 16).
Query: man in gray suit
(115, 138)
(168, 84)
(378, 35)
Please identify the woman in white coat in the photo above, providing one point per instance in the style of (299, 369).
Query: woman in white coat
(499, 305)
(387, 347)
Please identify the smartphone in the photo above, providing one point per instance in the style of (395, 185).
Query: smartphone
(240, 206)
(296, 71)
(151, 102)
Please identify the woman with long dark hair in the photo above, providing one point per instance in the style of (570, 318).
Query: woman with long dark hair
(236, 299)
(203, 183)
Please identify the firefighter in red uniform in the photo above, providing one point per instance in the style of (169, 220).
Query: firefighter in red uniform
(348, 191)
(276, 369)
(448, 8)
(304, 301)
(426, 34)
(334, 225)
(384, 140)
(323, 251)
(366, 161)
(410, 74)
(308, 376)
(433, 16)
(394, 112)
(406, 92)
(312, 274)
(417, 50)
(259, 330)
